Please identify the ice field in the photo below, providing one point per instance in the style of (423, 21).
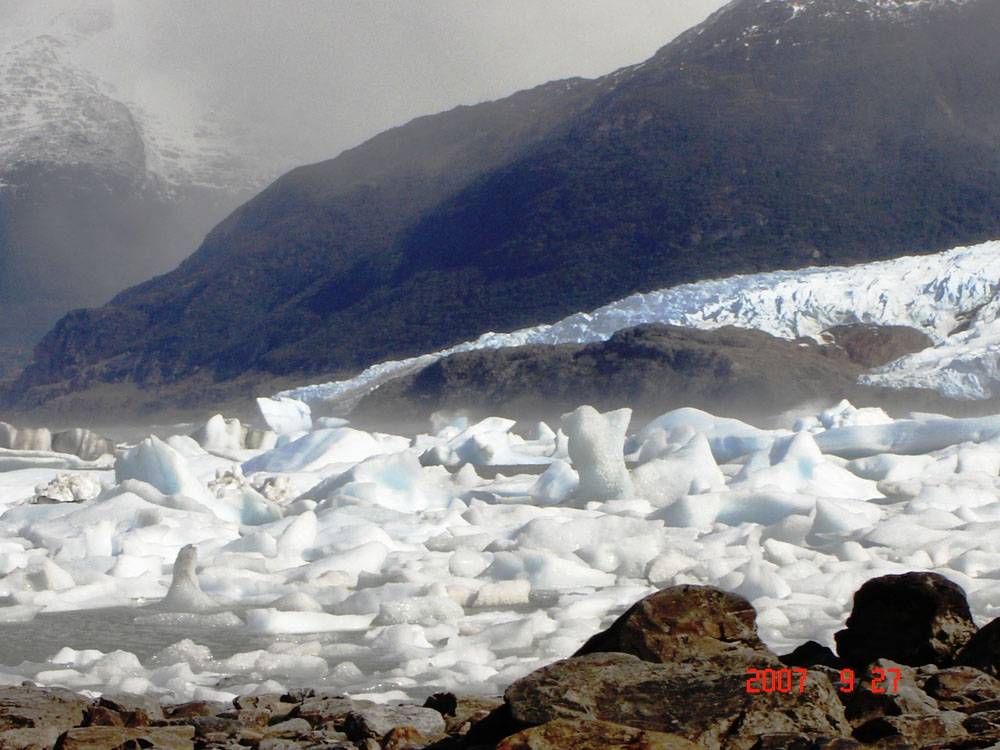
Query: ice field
(395, 567)
(466, 556)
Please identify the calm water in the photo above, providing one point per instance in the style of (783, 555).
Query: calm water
(112, 629)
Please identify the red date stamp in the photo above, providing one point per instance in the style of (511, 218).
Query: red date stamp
(794, 680)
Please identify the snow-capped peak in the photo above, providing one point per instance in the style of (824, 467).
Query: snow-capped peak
(53, 111)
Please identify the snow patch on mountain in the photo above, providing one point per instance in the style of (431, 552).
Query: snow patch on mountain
(950, 296)
(53, 111)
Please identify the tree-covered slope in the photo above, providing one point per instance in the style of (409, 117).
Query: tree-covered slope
(772, 136)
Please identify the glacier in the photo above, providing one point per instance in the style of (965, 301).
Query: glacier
(951, 296)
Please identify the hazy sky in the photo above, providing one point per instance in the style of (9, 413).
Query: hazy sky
(312, 77)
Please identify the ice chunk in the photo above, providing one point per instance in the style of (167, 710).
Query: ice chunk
(420, 610)
(185, 595)
(596, 450)
(728, 438)
(271, 620)
(906, 436)
(555, 484)
(284, 415)
(679, 471)
(395, 481)
(298, 601)
(545, 570)
(316, 450)
(220, 434)
(840, 516)
(156, 463)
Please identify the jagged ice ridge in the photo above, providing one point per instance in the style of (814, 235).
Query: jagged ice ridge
(936, 294)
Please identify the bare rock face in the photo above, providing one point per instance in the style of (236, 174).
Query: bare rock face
(871, 345)
(681, 623)
(706, 701)
(914, 618)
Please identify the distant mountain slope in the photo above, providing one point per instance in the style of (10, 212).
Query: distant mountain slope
(93, 196)
(776, 135)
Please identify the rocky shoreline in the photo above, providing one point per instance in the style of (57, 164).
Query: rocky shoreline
(683, 668)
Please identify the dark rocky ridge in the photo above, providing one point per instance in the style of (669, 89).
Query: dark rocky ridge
(652, 368)
(770, 137)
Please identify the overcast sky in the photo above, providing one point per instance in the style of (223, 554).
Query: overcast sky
(313, 77)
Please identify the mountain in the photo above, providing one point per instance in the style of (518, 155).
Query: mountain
(94, 194)
(777, 134)
(918, 331)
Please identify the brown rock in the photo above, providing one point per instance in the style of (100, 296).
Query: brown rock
(100, 716)
(460, 711)
(403, 738)
(918, 730)
(376, 721)
(707, 702)
(277, 706)
(122, 738)
(31, 716)
(913, 618)
(275, 743)
(803, 741)
(582, 734)
(871, 345)
(865, 702)
(681, 623)
(288, 729)
(325, 710)
(983, 650)
(197, 708)
(133, 707)
(962, 687)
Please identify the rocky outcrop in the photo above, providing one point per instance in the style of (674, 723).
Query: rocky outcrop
(653, 367)
(671, 626)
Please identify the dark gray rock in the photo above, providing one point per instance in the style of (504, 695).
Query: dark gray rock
(377, 721)
(891, 696)
(325, 710)
(913, 618)
(982, 650)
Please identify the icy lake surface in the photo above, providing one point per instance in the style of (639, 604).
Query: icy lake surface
(392, 566)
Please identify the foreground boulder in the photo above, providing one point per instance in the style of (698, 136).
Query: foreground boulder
(913, 618)
(705, 701)
(681, 623)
